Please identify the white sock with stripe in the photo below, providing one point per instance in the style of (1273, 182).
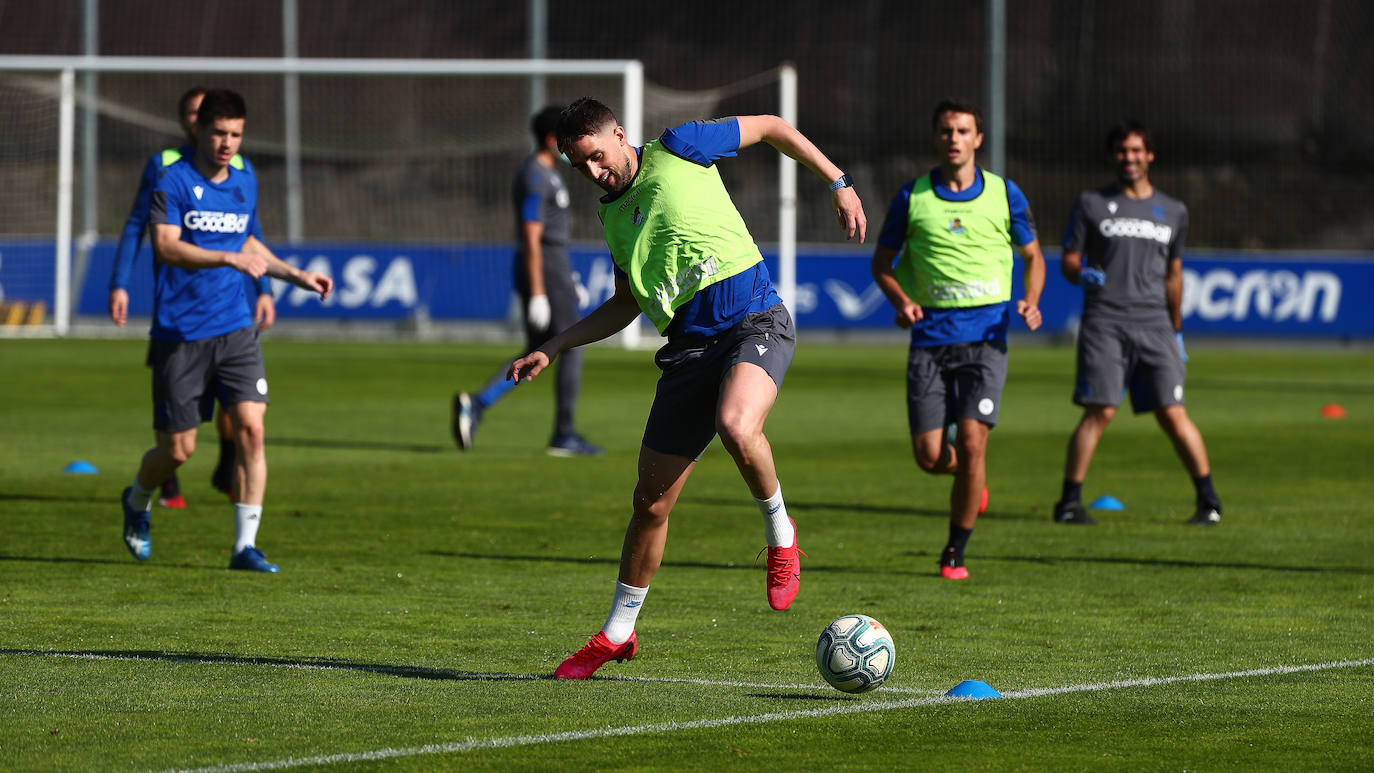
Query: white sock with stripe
(624, 611)
(777, 528)
(246, 520)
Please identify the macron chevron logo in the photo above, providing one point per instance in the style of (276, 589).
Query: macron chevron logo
(761, 349)
(197, 190)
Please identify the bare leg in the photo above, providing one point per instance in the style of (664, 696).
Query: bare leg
(933, 452)
(661, 478)
(247, 418)
(747, 395)
(970, 477)
(1186, 438)
(1083, 441)
(172, 451)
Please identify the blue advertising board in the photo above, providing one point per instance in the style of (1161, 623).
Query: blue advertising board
(1225, 293)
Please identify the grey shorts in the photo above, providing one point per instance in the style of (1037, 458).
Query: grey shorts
(189, 375)
(1115, 357)
(682, 420)
(945, 383)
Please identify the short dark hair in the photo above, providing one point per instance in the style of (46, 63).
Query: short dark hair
(1126, 128)
(220, 103)
(582, 118)
(186, 98)
(957, 106)
(544, 123)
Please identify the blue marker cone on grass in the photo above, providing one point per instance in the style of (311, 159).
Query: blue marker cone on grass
(1107, 503)
(81, 467)
(974, 689)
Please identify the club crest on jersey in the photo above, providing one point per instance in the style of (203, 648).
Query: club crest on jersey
(638, 217)
(1111, 207)
(197, 190)
(956, 226)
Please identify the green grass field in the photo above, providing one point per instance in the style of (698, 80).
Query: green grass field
(425, 596)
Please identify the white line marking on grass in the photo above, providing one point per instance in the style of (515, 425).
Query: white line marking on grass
(777, 716)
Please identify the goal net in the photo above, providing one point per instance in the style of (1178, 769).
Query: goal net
(346, 151)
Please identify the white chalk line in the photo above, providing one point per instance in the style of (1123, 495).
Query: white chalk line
(700, 724)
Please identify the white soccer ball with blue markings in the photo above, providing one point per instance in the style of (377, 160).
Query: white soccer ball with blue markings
(855, 653)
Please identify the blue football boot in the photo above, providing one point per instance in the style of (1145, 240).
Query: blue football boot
(251, 559)
(137, 526)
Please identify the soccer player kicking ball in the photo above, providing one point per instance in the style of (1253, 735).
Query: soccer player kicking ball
(1124, 246)
(203, 335)
(686, 260)
(951, 232)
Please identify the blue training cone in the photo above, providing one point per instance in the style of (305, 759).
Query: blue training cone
(81, 467)
(1107, 503)
(974, 689)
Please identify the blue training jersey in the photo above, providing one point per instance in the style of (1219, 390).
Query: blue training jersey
(972, 323)
(137, 224)
(190, 304)
(722, 305)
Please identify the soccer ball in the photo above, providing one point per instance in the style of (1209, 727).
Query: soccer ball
(855, 653)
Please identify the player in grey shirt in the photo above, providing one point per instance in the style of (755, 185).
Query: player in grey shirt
(548, 296)
(1124, 246)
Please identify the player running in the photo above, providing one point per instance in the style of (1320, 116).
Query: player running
(548, 293)
(686, 260)
(204, 344)
(1124, 246)
(265, 311)
(950, 233)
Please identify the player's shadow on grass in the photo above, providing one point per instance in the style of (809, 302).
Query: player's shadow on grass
(359, 445)
(1220, 383)
(858, 508)
(802, 505)
(1180, 564)
(310, 664)
(111, 561)
(615, 561)
(782, 696)
(102, 500)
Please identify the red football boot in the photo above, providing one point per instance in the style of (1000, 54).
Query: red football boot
(596, 653)
(784, 572)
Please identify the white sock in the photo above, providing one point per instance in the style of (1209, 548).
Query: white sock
(624, 610)
(140, 499)
(246, 520)
(776, 525)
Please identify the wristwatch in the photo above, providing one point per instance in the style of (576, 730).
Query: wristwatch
(845, 181)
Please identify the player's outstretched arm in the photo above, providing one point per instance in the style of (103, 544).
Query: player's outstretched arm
(1034, 277)
(280, 269)
(908, 311)
(605, 320)
(784, 137)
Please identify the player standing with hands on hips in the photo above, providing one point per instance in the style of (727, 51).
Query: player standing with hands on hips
(685, 259)
(951, 234)
(548, 295)
(203, 337)
(1124, 247)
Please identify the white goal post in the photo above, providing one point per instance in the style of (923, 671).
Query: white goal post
(632, 115)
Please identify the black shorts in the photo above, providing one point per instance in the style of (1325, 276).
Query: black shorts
(1115, 357)
(682, 420)
(945, 383)
(189, 375)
